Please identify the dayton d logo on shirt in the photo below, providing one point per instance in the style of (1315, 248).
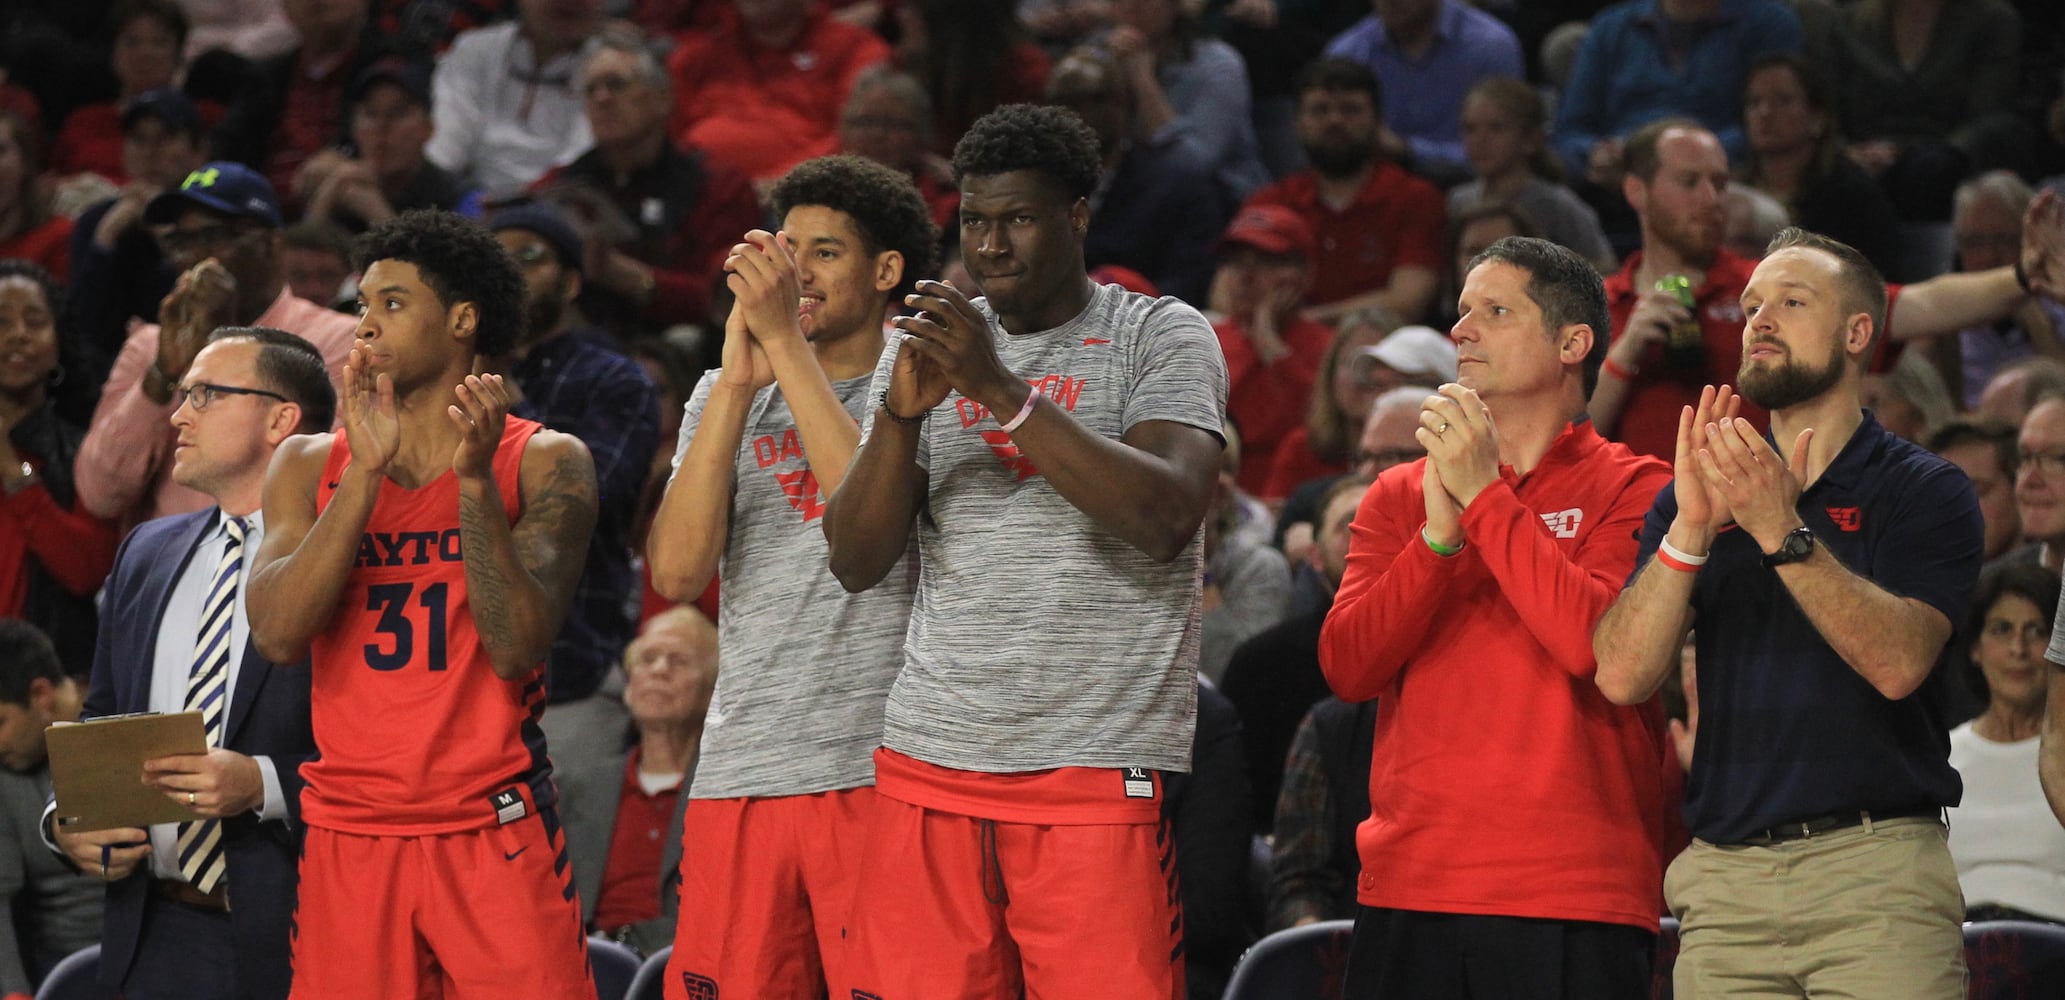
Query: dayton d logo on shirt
(1564, 523)
(799, 485)
(1063, 390)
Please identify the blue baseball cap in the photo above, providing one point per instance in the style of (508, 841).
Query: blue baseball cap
(548, 223)
(232, 189)
(166, 104)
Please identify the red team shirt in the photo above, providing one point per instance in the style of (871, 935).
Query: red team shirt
(1397, 220)
(415, 732)
(1502, 781)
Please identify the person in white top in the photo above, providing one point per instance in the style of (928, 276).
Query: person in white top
(2010, 852)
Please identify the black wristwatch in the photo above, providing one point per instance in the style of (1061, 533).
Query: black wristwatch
(1797, 545)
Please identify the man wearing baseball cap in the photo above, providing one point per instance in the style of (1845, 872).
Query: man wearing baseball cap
(1273, 352)
(384, 172)
(221, 230)
(573, 381)
(118, 270)
(1410, 355)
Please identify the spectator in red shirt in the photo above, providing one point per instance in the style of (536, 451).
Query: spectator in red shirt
(659, 217)
(623, 816)
(148, 37)
(1472, 584)
(762, 91)
(1675, 175)
(1379, 228)
(1272, 352)
(53, 554)
(295, 105)
(28, 228)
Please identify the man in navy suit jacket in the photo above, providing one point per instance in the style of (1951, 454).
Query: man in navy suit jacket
(163, 935)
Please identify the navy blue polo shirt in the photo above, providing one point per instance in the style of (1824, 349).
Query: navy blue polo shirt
(1787, 730)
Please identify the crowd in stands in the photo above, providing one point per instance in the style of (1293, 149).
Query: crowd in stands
(1314, 176)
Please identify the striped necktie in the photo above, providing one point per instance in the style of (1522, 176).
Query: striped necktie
(201, 859)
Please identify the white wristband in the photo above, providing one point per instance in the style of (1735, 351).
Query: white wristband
(1023, 411)
(1680, 554)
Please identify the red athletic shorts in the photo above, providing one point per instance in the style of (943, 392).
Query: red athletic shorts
(765, 888)
(484, 914)
(954, 906)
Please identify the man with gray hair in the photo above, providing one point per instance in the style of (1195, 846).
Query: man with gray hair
(1472, 583)
(888, 119)
(1986, 221)
(659, 217)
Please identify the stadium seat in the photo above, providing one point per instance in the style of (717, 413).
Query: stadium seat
(615, 967)
(650, 983)
(1308, 961)
(73, 978)
(2014, 959)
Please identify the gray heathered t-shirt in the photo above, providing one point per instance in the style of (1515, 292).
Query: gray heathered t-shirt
(803, 666)
(1039, 639)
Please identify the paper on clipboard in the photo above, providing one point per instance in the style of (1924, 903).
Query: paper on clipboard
(96, 768)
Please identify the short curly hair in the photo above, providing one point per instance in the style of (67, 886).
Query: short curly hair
(883, 204)
(461, 261)
(1050, 140)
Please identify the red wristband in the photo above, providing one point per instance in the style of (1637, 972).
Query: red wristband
(1610, 368)
(1675, 563)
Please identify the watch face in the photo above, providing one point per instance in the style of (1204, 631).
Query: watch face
(1797, 546)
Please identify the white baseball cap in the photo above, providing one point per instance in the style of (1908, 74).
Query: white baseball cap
(1415, 350)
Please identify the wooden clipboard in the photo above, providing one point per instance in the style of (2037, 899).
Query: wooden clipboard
(96, 768)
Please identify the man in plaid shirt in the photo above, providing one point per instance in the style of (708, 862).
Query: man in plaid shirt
(574, 381)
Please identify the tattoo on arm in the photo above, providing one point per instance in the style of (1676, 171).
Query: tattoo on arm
(520, 580)
(487, 585)
(552, 538)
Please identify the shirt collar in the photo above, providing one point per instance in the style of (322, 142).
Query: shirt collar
(1576, 440)
(254, 524)
(1848, 468)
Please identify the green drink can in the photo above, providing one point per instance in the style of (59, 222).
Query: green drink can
(1684, 349)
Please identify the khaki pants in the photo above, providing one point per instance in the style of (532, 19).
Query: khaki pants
(1871, 912)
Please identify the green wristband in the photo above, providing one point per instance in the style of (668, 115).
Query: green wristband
(1439, 549)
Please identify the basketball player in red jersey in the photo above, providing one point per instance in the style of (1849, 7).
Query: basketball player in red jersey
(423, 556)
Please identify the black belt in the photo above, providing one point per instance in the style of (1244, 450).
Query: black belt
(1810, 828)
(184, 893)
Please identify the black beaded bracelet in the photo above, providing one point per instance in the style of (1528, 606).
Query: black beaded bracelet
(882, 403)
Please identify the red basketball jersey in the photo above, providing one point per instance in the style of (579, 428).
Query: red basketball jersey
(414, 732)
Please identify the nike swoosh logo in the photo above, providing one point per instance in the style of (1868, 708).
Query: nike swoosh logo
(1094, 341)
(511, 856)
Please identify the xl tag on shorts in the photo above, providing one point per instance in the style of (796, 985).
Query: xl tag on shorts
(508, 804)
(1139, 783)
